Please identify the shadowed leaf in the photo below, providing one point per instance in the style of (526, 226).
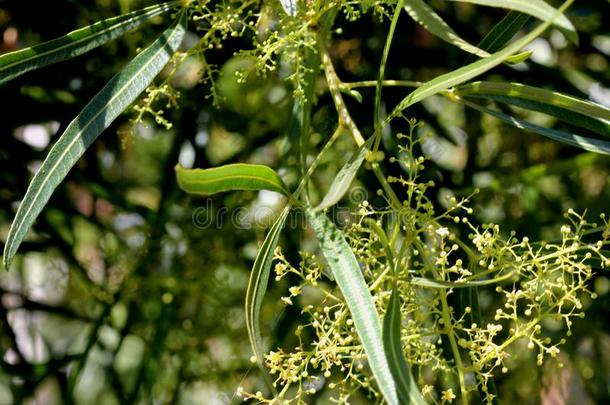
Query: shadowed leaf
(75, 43)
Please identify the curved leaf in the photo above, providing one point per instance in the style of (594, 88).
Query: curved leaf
(431, 21)
(238, 176)
(348, 275)
(97, 115)
(344, 178)
(586, 143)
(257, 286)
(536, 8)
(405, 384)
(573, 110)
(75, 43)
(468, 72)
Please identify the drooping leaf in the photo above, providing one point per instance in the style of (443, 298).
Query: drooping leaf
(349, 277)
(257, 285)
(75, 43)
(468, 72)
(344, 178)
(587, 143)
(574, 110)
(536, 8)
(431, 21)
(238, 176)
(97, 115)
(392, 344)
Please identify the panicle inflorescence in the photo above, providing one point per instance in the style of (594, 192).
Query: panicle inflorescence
(433, 256)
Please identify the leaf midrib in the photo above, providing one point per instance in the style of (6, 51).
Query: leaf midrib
(76, 138)
(84, 39)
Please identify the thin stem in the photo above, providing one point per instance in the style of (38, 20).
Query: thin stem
(373, 83)
(318, 159)
(334, 86)
(384, 60)
(454, 348)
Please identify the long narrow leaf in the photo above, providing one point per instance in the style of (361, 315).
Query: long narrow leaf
(344, 178)
(405, 384)
(237, 176)
(97, 115)
(468, 72)
(576, 111)
(348, 275)
(536, 8)
(586, 143)
(503, 31)
(431, 21)
(75, 43)
(257, 285)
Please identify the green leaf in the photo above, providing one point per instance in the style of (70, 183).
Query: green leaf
(576, 111)
(408, 391)
(344, 178)
(348, 275)
(467, 72)
(431, 21)
(257, 286)
(238, 176)
(75, 43)
(586, 143)
(97, 115)
(503, 31)
(536, 8)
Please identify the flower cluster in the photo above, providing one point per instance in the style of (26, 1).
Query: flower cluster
(456, 342)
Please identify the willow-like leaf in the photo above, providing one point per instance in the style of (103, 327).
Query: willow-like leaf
(423, 14)
(536, 8)
(257, 286)
(408, 392)
(587, 143)
(231, 177)
(347, 273)
(470, 71)
(574, 110)
(503, 31)
(344, 178)
(75, 43)
(97, 115)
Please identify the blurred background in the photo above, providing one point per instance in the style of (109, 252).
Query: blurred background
(129, 291)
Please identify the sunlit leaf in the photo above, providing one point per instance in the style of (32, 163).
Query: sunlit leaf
(431, 21)
(536, 8)
(574, 110)
(231, 177)
(408, 392)
(257, 285)
(467, 72)
(347, 273)
(75, 43)
(344, 178)
(97, 115)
